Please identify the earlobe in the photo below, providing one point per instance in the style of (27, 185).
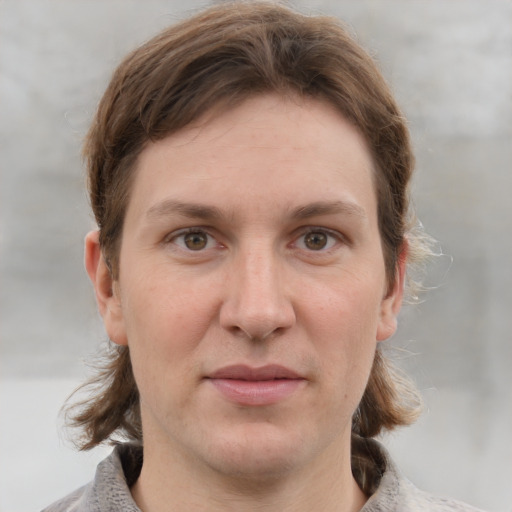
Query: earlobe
(392, 302)
(107, 298)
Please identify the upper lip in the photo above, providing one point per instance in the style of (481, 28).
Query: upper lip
(244, 372)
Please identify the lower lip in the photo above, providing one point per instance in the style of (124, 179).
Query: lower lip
(259, 392)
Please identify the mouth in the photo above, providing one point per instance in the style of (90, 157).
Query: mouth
(263, 373)
(266, 385)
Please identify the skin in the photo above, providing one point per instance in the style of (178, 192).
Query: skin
(286, 267)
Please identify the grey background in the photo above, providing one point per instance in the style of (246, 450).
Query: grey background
(450, 65)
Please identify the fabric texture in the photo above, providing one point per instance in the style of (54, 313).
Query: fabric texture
(110, 489)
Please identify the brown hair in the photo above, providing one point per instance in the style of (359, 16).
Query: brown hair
(222, 56)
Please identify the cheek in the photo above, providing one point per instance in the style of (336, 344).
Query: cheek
(165, 304)
(165, 322)
(342, 324)
(346, 313)
(164, 332)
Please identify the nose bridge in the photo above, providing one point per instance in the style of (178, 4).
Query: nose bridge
(259, 276)
(257, 303)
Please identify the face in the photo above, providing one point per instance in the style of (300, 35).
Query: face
(252, 288)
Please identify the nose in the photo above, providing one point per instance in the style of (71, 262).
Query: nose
(257, 305)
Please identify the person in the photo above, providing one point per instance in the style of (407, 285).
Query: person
(249, 173)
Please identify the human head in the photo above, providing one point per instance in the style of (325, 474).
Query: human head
(218, 59)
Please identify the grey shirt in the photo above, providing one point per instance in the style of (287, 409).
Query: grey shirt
(110, 489)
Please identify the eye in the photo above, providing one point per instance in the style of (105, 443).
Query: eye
(194, 240)
(317, 240)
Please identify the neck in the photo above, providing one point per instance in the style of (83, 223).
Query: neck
(168, 483)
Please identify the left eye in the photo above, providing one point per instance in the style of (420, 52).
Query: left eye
(196, 240)
(316, 240)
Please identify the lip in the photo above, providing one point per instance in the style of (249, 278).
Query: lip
(248, 373)
(265, 385)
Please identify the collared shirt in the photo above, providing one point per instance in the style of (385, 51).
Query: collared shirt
(110, 489)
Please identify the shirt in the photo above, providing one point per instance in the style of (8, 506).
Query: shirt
(110, 489)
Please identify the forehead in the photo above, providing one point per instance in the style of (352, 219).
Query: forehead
(269, 148)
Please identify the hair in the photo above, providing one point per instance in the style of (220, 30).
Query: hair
(221, 57)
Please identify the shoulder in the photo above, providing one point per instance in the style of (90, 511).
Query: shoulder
(413, 499)
(72, 502)
(395, 493)
(110, 489)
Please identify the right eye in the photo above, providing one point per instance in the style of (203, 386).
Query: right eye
(194, 240)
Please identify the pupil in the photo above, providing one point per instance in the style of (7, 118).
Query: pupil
(196, 241)
(316, 241)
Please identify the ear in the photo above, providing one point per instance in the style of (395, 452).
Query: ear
(106, 289)
(392, 302)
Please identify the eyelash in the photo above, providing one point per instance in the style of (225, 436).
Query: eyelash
(334, 238)
(188, 231)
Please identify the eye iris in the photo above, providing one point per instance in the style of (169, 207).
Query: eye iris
(196, 241)
(315, 241)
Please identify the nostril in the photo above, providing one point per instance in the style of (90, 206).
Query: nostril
(255, 336)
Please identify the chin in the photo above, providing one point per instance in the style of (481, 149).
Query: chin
(259, 452)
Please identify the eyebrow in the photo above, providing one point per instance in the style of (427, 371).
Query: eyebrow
(212, 213)
(192, 210)
(328, 208)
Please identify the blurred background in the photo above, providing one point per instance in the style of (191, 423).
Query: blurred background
(450, 66)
